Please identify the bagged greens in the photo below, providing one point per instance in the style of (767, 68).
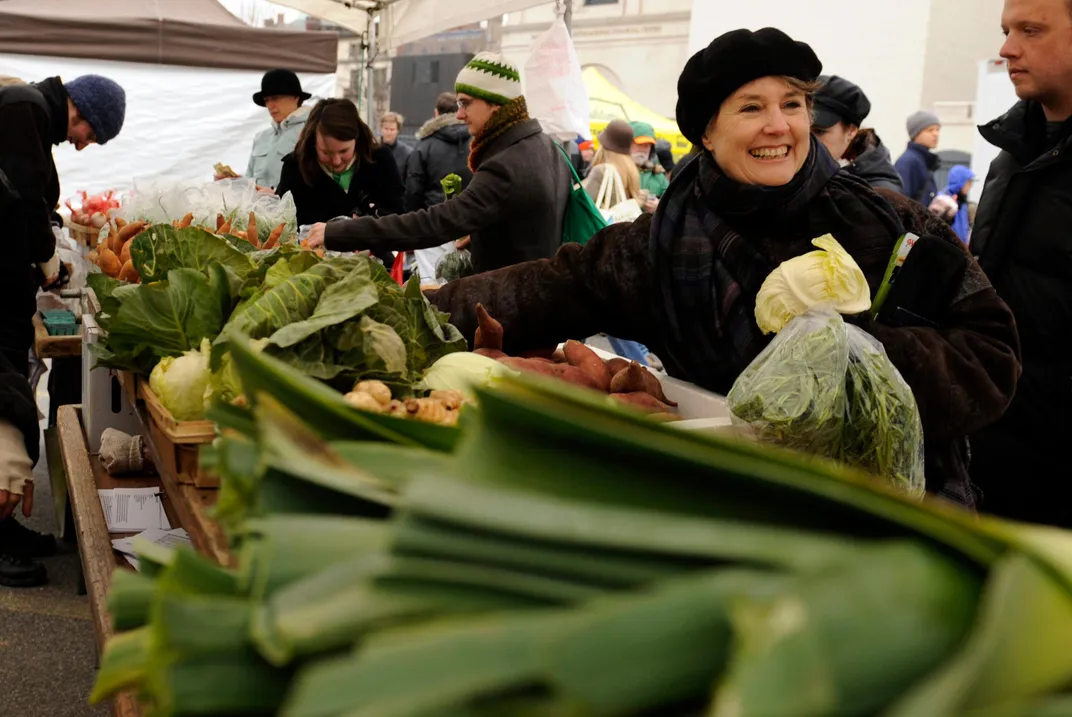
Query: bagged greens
(826, 388)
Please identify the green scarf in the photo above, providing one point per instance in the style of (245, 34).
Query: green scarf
(505, 118)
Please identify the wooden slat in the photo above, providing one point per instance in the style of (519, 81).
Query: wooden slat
(182, 432)
(46, 346)
(94, 541)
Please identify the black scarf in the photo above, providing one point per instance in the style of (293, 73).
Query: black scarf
(714, 241)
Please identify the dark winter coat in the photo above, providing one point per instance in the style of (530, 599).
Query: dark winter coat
(1021, 237)
(961, 360)
(442, 149)
(916, 167)
(875, 167)
(376, 190)
(512, 209)
(401, 153)
(17, 405)
(33, 118)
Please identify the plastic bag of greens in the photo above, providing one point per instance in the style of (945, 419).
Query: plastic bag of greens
(827, 388)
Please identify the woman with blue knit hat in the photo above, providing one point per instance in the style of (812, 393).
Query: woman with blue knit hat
(514, 206)
(760, 189)
(33, 118)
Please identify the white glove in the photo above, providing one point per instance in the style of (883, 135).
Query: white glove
(16, 468)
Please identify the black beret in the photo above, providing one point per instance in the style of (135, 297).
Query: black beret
(732, 61)
(839, 100)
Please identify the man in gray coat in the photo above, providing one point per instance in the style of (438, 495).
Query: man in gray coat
(514, 207)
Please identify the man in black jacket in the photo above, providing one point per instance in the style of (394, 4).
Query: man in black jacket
(442, 149)
(1022, 241)
(34, 117)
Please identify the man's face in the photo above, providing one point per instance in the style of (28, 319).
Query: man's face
(474, 113)
(389, 132)
(281, 106)
(1038, 48)
(79, 132)
(929, 137)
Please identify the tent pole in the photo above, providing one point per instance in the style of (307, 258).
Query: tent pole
(567, 16)
(372, 39)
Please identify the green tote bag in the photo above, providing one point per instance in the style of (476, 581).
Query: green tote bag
(582, 219)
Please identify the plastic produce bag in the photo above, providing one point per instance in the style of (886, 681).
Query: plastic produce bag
(554, 85)
(827, 388)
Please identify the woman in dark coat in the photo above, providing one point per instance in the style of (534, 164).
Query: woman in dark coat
(338, 169)
(685, 283)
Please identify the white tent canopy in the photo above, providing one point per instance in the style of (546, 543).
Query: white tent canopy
(403, 21)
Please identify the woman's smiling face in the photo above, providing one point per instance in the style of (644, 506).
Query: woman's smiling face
(761, 134)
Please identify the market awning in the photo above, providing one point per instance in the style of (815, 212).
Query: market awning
(403, 21)
(606, 102)
(194, 33)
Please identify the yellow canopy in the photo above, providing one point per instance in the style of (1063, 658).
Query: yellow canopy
(606, 102)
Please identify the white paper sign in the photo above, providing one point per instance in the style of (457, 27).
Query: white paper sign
(127, 510)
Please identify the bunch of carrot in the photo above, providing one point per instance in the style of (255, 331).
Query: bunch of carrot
(626, 381)
(224, 226)
(113, 254)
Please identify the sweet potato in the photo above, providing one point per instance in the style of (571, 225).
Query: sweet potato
(628, 380)
(547, 354)
(128, 273)
(490, 353)
(654, 386)
(131, 230)
(642, 401)
(489, 332)
(187, 220)
(108, 262)
(559, 356)
(124, 254)
(251, 231)
(524, 364)
(584, 358)
(616, 364)
(574, 375)
(274, 237)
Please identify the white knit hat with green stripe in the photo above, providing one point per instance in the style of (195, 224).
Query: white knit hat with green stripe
(490, 78)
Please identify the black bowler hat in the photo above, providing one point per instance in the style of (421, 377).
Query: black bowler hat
(280, 82)
(839, 101)
(731, 61)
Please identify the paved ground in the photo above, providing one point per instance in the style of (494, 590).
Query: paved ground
(47, 648)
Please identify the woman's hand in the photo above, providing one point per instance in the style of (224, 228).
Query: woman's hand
(9, 500)
(315, 238)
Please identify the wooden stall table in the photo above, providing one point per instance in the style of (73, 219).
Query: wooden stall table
(185, 505)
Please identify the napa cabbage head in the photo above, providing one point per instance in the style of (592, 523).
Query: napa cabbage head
(828, 275)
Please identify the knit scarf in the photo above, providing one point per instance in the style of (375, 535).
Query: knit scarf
(714, 242)
(505, 118)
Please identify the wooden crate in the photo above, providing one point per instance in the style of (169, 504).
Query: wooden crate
(128, 381)
(51, 347)
(178, 442)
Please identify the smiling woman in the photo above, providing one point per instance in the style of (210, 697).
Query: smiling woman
(685, 283)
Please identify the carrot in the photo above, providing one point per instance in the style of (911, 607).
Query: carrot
(129, 273)
(654, 386)
(108, 262)
(187, 220)
(616, 364)
(130, 230)
(225, 229)
(490, 353)
(274, 237)
(219, 222)
(251, 231)
(124, 255)
(641, 401)
(584, 358)
(120, 222)
(240, 234)
(628, 380)
(489, 333)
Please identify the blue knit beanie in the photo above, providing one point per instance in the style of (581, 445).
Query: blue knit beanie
(101, 101)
